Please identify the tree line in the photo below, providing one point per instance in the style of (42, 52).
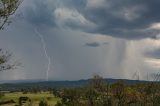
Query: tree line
(100, 93)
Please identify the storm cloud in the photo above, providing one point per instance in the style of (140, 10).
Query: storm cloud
(84, 37)
(118, 18)
(93, 44)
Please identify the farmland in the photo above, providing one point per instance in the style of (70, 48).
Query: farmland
(34, 98)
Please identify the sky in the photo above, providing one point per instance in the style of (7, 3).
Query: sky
(75, 39)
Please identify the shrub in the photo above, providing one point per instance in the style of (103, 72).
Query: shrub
(43, 103)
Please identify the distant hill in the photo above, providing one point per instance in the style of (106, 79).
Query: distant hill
(17, 85)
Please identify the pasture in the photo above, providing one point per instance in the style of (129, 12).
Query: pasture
(35, 98)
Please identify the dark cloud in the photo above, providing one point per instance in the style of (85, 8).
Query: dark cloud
(38, 14)
(130, 19)
(93, 44)
(126, 18)
(74, 52)
(96, 44)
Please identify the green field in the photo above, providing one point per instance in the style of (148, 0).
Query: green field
(35, 98)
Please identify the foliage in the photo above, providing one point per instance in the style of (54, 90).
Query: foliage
(22, 99)
(97, 93)
(1, 94)
(43, 103)
(6, 102)
(5, 61)
(7, 8)
(119, 93)
(100, 93)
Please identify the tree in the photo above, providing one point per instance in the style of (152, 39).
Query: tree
(91, 96)
(43, 103)
(5, 61)
(98, 92)
(23, 99)
(1, 94)
(70, 97)
(97, 83)
(7, 8)
(119, 93)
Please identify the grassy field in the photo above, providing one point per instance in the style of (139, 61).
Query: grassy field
(35, 98)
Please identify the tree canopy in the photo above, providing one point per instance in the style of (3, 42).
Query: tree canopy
(5, 61)
(7, 8)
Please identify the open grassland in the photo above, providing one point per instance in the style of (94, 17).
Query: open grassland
(34, 97)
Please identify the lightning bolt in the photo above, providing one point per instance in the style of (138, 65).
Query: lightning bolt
(45, 52)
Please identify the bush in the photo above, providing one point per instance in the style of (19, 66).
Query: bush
(1, 94)
(43, 103)
(7, 102)
(59, 104)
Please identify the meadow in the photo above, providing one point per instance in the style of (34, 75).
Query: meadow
(34, 97)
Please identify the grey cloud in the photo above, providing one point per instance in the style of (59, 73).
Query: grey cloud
(93, 44)
(70, 59)
(37, 13)
(40, 13)
(113, 21)
(153, 54)
(105, 43)
(122, 18)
